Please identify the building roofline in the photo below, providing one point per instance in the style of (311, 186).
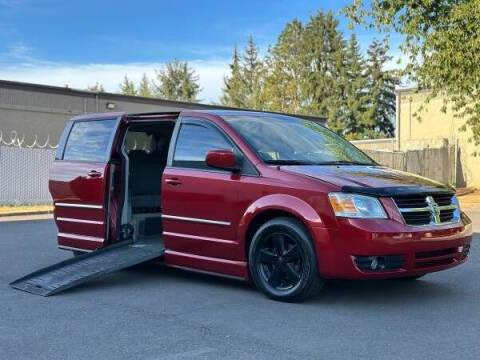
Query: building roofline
(410, 90)
(137, 99)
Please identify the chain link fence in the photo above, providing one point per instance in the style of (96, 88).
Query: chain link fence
(24, 174)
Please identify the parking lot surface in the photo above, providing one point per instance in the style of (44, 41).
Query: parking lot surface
(152, 312)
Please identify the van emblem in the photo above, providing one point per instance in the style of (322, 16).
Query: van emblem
(434, 210)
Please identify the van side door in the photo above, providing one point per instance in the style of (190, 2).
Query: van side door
(201, 207)
(79, 183)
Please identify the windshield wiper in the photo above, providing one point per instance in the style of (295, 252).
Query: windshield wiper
(304, 162)
(343, 162)
(288, 162)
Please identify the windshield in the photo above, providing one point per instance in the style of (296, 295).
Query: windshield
(288, 140)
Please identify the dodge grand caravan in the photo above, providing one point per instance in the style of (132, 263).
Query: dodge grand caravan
(278, 200)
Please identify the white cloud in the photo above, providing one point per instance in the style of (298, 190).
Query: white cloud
(211, 73)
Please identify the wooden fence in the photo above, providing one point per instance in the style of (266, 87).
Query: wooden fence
(437, 164)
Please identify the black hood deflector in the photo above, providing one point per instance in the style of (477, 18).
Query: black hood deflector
(398, 190)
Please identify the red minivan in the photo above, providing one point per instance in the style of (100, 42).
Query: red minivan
(279, 200)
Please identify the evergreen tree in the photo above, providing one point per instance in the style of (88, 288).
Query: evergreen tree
(381, 91)
(252, 73)
(286, 61)
(97, 87)
(144, 87)
(324, 86)
(354, 75)
(177, 81)
(233, 90)
(127, 87)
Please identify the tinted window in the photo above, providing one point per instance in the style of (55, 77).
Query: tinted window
(193, 144)
(90, 140)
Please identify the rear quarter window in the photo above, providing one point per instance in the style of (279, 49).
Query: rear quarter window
(90, 140)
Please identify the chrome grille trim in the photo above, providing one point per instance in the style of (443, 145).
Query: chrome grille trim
(433, 212)
(425, 209)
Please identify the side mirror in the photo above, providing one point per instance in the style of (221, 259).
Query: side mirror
(223, 159)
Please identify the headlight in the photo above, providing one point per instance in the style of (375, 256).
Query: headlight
(356, 206)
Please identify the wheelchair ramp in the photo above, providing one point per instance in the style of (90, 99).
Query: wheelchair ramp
(78, 270)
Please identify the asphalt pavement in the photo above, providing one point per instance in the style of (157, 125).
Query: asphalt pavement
(153, 312)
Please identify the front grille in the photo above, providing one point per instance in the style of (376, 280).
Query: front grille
(435, 209)
(432, 258)
(443, 199)
(429, 254)
(417, 218)
(447, 215)
(432, 263)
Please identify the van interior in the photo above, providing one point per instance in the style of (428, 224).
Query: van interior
(144, 151)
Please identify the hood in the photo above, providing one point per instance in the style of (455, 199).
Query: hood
(372, 180)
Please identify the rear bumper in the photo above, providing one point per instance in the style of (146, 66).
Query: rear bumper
(422, 249)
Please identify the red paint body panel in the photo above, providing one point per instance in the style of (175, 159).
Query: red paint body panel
(219, 158)
(207, 214)
(337, 246)
(70, 184)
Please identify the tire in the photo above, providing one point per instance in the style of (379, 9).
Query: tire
(283, 262)
(77, 253)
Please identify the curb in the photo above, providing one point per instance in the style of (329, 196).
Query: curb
(26, 213)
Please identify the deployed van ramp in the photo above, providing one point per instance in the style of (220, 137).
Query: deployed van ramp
(78, 270)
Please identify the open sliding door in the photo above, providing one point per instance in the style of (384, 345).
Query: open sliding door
(79, 183)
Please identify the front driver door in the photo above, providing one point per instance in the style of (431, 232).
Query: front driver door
(79, 182)
(200, 205)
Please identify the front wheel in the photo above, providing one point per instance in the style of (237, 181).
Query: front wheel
(283, 262)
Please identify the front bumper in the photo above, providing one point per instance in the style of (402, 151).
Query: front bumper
(422, 249)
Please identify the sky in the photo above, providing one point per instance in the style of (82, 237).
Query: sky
(79, 43)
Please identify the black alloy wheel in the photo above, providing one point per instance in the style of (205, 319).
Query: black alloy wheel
(281, 264)
(282, 260)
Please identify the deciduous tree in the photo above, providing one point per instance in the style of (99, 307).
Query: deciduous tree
(442, 45)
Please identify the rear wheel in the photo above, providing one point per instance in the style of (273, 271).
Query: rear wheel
(282, 261)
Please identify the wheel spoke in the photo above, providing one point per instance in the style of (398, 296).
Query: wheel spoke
(292, 254)
(266, 256)
(279, 243)
(275, 276)
(291, 274)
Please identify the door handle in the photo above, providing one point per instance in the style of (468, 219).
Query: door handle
(173, 181)
(94, 174)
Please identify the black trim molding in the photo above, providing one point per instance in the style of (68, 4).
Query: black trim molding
(399, 190)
